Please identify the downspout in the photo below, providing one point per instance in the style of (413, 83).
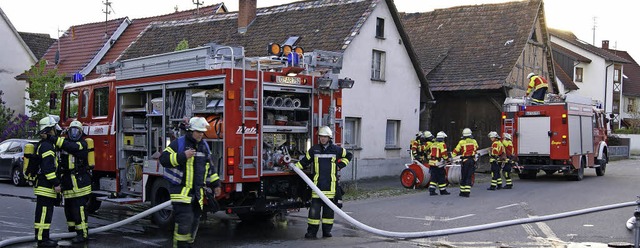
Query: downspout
(606, 77)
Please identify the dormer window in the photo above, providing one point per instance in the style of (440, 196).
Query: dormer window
(379, 28)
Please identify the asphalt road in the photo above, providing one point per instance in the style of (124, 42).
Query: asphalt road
(402, 213)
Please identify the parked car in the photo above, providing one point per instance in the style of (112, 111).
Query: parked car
(11, 158)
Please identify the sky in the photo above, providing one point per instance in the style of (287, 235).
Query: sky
(615, 20)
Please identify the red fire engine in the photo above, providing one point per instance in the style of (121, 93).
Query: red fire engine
(263, 112)
(563, 136)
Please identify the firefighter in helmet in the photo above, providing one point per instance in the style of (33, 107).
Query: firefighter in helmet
(75, 174)
(429, 139)
(467, 148)
(539, 86)
(326, 159)
(437, 155)
(189, 154)
(47, 184)
(416, 147)
(509, 161)
(495, 159)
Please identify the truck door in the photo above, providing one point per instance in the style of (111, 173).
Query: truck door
(533, 137)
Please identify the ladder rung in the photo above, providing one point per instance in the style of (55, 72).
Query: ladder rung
(251, 138)
(251, 157)
(251, 99)
(251, 79)
(251, 118)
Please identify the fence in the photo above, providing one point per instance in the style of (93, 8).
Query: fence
(619, 152)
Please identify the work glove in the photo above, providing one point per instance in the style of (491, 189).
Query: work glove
(212, 204)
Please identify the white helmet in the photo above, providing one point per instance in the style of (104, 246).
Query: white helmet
(47, 122)
(325, 131)
(75, 130)
(198, 124)
(441, 135)
(507, 136)
(75, 124)
(419, 134)
(427, 134)
(493, 134)
(466, 132)
(530, 75)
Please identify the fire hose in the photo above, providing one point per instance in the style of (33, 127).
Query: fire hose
(451, 231)
(126, 221)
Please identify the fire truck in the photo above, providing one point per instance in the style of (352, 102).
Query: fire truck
(264, 113)
(563, 135)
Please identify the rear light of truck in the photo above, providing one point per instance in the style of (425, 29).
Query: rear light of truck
(230, 160)
(564, 139)
(564, 118)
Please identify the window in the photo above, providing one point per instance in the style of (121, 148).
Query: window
(352, 132)
(85, 104)
(631, 105)
(100, 101)
(15, 148)
(616, 75)
(377, 65)
(4, 146)
(380, 28)
(71, 105)
(392, 134)
(578, 74)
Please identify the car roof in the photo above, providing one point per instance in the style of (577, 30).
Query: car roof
(22, 140)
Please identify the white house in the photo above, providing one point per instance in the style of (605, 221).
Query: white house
(15, 58)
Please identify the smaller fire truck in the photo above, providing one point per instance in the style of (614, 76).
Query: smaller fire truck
(566, 135)
(264, 113)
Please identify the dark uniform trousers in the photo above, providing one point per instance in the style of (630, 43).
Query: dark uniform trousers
(506, 172)
(44, 214)
(187, 220)
(496, 179)
(318, 205)
(467, 169)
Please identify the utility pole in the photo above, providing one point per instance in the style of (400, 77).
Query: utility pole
(197, 3)
(107, 10)
(595, 25)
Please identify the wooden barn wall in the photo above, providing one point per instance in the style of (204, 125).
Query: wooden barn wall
(480, 111)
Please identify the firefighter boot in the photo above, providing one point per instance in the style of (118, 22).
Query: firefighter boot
(79, 239)
(493, 187)
(312, 230)
(326, 230)
(499, 187)
(183, 244)
(444, 192)
(48, 243)
(432, 192)
(508, 186)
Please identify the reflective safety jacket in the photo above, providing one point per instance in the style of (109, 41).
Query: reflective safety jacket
(417, 149)
(196, 171)
(508, 148)
(467, 148)
(437, 152)
(327, 161)
(536, 83)
(74, 167)
(497, 150)
(47, 178)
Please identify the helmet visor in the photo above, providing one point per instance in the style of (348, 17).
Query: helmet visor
(75, 133)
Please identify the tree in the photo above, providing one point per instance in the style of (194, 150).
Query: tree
(13, 126)
(43, 85)
(5, 113)
(182, 45)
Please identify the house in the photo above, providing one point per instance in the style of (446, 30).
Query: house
(630, 102)
(382, 110)
(476, 56)
(79, 51)
(597, 72)
(18, 52)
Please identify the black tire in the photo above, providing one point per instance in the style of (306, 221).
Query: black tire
(579, 173)
(603, 166)
(159, 195)
(93, 204)
(549, 172)
(17, 179)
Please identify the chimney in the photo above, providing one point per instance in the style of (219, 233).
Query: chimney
(605, 44)
(246, 14)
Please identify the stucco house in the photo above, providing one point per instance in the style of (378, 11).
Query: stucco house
(597, 72)
(474, 57)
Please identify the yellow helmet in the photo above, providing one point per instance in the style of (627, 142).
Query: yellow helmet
(75, 130)
(198, 124)
(466, 132)
(325, 131)
(427, 134)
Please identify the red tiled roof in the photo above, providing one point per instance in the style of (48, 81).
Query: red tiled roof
(138, 25)
(630, 84)
(471, 47)
(568, 36)
(38, 43)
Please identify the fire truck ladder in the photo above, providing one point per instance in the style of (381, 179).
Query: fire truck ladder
(251, 91)
(508, 126)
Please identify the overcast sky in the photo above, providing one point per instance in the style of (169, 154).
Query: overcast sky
(616, 20)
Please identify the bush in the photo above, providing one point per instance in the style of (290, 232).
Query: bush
(19, 127)
(627, 131)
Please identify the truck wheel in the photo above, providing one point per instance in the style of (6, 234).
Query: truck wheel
(256, 217)
(93, 204)
(159, 195)
(549, 172)
(579, 173)
(408, 178)
(603, 166)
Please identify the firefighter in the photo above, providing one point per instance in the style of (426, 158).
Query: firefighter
(509, 161)
(539, 86)
(75, 174)
(416, 147)
(495, 159)
(467, 148)
(437, 155)
(327, 160)
(189, 155)
(47, 184)
(428, 140)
